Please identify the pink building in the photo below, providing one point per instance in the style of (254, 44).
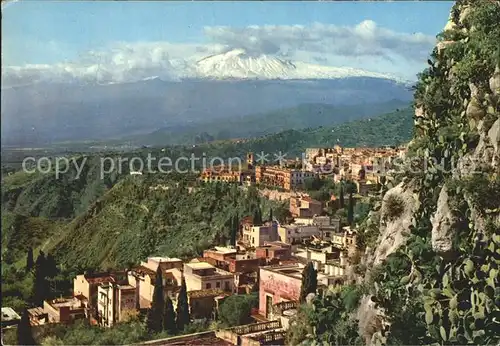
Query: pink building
(278, 284)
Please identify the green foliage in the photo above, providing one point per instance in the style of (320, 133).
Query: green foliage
(24, 333)
(426, 298)
(350, 210)
(236, 309)
(154, 320)
(394, 207)
(183, 316)
(328, 320)
(29, 260)
(309, 281)
(41, 290)
(169, 324)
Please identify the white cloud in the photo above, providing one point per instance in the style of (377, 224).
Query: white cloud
(366, 39)
(365, 45)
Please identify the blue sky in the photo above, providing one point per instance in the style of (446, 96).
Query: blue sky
(42, 32)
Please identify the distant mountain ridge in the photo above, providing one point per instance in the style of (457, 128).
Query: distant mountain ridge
(48, 113)
(303, 116)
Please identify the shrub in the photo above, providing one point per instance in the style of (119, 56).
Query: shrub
(394, 206)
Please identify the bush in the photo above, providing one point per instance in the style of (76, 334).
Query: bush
(236, 310)
(394, 207)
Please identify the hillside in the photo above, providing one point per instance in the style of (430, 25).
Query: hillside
(388, 129)
(40, 202)
(429, 271)
(256, 125)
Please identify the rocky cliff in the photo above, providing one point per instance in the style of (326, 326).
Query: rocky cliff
(436, 258)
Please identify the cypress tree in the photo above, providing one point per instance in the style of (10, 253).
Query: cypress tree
(256, 287)
(350, 210)
(257, 216)
(40, 285)
(341, 197)
(234, 229)
(183, 317)
(29, 260)
(24, 333)
(169, 316)
(50, 266)
(155, 313)
(309, 282)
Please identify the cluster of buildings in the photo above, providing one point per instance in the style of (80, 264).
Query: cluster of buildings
(268, 258)
(364, 166)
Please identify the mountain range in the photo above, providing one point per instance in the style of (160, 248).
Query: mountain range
(223, 87)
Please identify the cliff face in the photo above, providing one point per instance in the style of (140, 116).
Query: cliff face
(437, 255)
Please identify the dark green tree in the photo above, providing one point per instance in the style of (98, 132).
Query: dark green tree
(155, 313)
(50, 266)
(341, 197)
(309, 281)
(235, 225)
(169, 316)
(236, 310)
(271, 214)
(183, 316)
(40, 284)
(256, 287)
(350, 210)
(24, 332)
(29, 260)
(257, 216)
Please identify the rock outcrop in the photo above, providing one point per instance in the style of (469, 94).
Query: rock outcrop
(443, 223)
(394, 229)
(457, 118)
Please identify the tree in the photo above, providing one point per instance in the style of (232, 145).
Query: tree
(40, 285)
(169, 316)
(24, 333)
(155, 313)
(257, 216)
(256, 287)
(234, 229)
(341, 197)
(29, 260)
(271, 214)
(183, 317)
(350, 210)
(309, 281)
(236, 310)
(50, 266)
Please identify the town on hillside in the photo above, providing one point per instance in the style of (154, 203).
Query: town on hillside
(264, 257)
(364, 166)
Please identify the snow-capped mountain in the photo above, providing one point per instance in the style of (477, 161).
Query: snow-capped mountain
(124, 99)
(238, 64)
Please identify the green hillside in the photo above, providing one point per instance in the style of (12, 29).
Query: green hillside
(91, 221)
(295, 118)
(389, 129)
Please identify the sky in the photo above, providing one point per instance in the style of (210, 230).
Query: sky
(68, 39)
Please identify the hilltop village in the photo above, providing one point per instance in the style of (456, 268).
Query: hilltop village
(265, 257)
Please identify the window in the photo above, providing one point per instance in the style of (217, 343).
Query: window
(226, 285)
(208, 286)
(217, 284)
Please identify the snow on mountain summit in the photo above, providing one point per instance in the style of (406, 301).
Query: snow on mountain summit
(239, 65)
